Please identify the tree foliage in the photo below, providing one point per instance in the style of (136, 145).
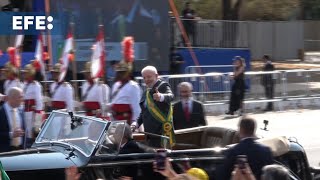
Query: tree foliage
(270, 10)
(206, 9)
(312, 9)
(250, 9)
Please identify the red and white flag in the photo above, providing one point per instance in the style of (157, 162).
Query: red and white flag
(13, 52)
(98, 56)
(39, 56)
(18, 41)
(68, 46)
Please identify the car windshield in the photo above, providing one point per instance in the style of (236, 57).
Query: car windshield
(113, 139)
(82, 132)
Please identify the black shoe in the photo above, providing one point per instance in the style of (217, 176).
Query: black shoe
(229, 112)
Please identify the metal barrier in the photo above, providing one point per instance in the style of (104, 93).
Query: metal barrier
(302, 83)
(214, 88)
(212, 33)
(256, 86)
(312, 45)
(208, 69)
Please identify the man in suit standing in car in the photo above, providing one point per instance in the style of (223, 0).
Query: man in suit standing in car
(187, 112)
(156, 109)
(12, 129)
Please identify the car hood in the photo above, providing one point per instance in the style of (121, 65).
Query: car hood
(35, 159)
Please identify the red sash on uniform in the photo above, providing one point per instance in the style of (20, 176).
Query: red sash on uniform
(58, 104)
(90, 107)
(29, 105)
(122, 112)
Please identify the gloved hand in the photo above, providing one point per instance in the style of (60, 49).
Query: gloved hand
(38, 120)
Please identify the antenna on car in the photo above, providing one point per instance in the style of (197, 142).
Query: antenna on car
(265, 122)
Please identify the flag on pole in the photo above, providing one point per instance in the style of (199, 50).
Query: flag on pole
(39, 55)
(13, 57)
(19, 40)
(65, 56)
(13, 52)
(18, 45)
(98, 56)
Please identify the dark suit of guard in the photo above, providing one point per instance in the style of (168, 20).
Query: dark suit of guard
(131, 147)
(195, 117)
(135, 172)
(151, 124)
(5, 129)
(258, 156)
(268, 83)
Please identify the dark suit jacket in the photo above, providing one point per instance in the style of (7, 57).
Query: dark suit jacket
(5, 129)
(267, 79)
(152, 125)
(258, 156)
(131, 147)
(197, 116)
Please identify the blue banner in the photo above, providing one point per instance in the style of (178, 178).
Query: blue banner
(26, 57)
(215, 57)
(27, 23)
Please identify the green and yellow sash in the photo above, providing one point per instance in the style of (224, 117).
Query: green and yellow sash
(166, 121)
(3, 175)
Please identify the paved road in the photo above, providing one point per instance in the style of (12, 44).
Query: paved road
(302, 124)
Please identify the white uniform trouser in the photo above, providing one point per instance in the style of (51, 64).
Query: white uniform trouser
(29, 120)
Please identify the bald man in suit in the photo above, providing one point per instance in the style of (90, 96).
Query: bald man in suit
(12, 129)
(187, 112)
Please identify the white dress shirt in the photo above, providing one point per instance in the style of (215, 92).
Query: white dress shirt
(64, 93)
(97, 93)
(8, 84)
(128, 94)
(8, 110)
(34, 91)
(189, 102)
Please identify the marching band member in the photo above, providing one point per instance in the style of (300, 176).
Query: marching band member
(126, 93)
(12, 78)
(62, 93)
(94, 94)
(33, 105)
(12, 71)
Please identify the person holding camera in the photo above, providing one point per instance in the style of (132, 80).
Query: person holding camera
(246, 151)
(165, 168)
(243, 173)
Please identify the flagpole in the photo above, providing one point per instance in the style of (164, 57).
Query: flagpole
(43, 38)
(74, 65)
(101, 33)
(47, 9)
(101, 30)
(18, 44)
